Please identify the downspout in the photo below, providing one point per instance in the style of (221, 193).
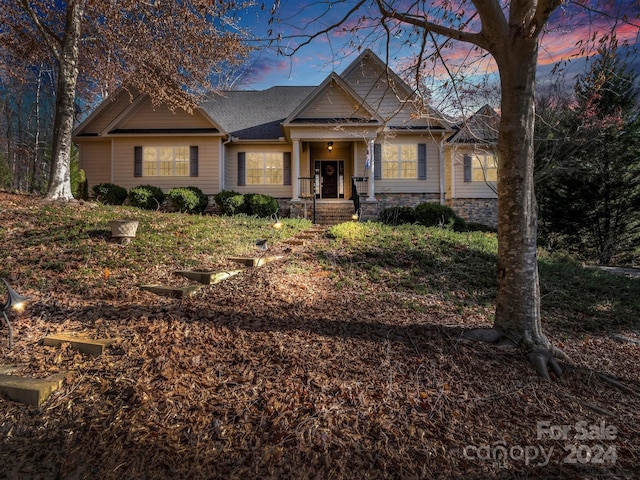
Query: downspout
(441, 155)
(113, 160)
(454, 154)
(222, 163)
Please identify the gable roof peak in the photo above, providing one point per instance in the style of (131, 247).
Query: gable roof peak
(333, 79)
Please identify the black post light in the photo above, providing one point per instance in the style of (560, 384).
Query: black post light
(15, 302)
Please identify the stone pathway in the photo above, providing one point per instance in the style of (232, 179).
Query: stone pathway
(33, 391)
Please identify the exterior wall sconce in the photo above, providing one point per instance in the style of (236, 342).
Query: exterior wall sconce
(329, 146)
(15, 302)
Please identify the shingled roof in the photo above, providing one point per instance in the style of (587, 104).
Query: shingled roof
(255, 114)
(481, 127)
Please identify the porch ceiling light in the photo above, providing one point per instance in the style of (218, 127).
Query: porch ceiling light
(329, 146)
(15, 302)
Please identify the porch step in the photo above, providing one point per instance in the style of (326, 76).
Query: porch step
(332, 213)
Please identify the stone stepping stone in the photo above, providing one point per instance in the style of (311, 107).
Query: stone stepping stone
(85, 345)
(173, 292)
(255, 261)
(32, 391)
(306, 236)
(207, 278)
(294, 241)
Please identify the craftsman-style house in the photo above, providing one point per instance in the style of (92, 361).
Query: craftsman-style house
(362, 139)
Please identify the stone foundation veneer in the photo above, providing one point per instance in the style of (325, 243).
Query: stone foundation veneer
(371, 210)
(476, 210)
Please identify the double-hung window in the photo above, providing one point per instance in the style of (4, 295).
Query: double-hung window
(401, 161)
(264, 168)
(480, 168)
(166, 161)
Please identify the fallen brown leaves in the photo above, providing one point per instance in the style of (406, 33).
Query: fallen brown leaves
(283, 372)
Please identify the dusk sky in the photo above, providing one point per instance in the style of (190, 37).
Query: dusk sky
(311, 64)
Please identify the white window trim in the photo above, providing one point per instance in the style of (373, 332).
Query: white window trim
(398, 161)
(158, 161)
(264, 168)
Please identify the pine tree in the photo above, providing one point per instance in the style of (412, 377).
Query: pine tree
(591, 195)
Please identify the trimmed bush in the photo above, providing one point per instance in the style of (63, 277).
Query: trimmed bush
(221, 197)
(235, 205)
(261, 205)
(147, 197)
(110, 194)
(431, 214)
(397, 215)
(188, 199)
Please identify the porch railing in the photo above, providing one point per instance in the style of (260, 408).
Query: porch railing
(306, 187)
(307, 191)
(359, 186)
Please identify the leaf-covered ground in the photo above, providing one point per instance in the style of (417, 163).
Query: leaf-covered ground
(342, 360)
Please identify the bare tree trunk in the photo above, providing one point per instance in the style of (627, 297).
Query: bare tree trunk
(518, 299)
(59, 178)
(33, 182)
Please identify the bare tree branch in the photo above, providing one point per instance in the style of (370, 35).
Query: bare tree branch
(51, 39)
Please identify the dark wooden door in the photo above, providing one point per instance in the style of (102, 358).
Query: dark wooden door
(329, 174)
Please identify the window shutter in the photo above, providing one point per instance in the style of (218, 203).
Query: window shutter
(377, 161)
(242, 169)
(193, 161)
(286, 168)
(467, 168)
(422, 161)
(137, 161)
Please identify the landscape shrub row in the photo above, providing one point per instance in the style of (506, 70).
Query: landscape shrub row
(234, 203)
(187, 199)
(429, 214)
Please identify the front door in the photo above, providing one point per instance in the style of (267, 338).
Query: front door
(330, 177)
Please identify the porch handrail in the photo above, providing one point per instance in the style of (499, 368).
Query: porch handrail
(358, 184)
(306, 187)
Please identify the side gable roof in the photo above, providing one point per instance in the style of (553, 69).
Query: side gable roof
(479, 128)
(367, 93)
(333, 101)
(110, 108)
(127, 112)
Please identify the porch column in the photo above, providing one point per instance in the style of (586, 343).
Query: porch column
(371, 183)
(295, 171)
(441, 165)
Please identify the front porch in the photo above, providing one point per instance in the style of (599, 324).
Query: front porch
(326, 204)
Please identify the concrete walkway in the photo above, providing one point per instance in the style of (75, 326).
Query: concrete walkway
(627, 272)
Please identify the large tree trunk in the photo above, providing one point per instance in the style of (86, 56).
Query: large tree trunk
(518, 301)
(60, 177)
